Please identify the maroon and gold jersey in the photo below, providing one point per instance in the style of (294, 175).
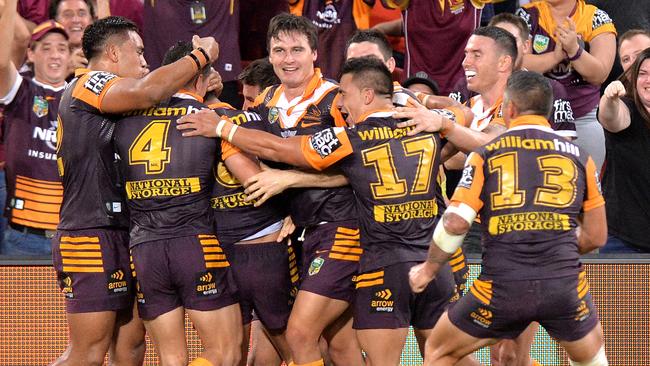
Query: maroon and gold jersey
(92, 192)
(529, 185)
(393, 177)
(236, 219)
(314, 111)
(336, 21)
(590, 22)
(34, 190)
(167, 177)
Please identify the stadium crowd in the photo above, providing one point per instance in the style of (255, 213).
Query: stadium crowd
(311, 175)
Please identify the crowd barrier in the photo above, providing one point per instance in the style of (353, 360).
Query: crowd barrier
(33, 325)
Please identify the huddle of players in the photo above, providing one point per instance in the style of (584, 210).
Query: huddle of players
(360, 241)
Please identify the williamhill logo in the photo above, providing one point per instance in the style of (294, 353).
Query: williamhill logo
(383, 133)
(533, 144)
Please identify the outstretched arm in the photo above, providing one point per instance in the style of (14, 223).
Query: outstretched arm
(8, 71)
(613, 114)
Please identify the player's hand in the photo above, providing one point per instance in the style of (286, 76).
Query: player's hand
(209, 45)
(420, 276)
(266, 184)
(568, 37)
(614, 90)
(77, 59)
(215, 84)
(201, 123)
(287, 229)
(420, 118)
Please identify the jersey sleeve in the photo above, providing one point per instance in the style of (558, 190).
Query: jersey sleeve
(593, 196)
(92, 87)
(11, 95)
(600, 23)
(471, 183)
(326, 147)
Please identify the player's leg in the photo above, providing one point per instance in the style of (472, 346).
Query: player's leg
(262, 351)
(167, 332)
(247, 348)
(588, 350)
(383, 347)
(221, 346)
(90, 336)
(128, 345)
(342, 343)
(514, 352)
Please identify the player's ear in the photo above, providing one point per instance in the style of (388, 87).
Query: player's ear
(113, 52)
(368, 95)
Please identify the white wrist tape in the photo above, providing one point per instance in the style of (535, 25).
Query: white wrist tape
(463, 210)
(599, 360)
(220, 127)
(448, 243)
(232, 132)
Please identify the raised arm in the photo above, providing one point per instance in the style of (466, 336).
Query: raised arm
(613, 114)
(594, 66)
(8, 71)
(128, 94)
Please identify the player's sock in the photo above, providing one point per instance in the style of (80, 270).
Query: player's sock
(535, 363)
(200, 361)
(313, 363)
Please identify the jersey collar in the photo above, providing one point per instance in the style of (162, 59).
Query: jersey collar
(529, 120)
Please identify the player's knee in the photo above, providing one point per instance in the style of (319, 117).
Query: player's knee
(174, 359)
(298, 334)
(599, 360)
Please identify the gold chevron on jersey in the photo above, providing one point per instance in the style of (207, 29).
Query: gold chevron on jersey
(81, 254)
(347, 245)
(290, 112)
(212, 252)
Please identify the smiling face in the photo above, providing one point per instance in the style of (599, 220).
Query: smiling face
(630, 49)
(50, 56)
(351, 100)
(75, 16)
(643, 83)
(292, 59)
(480, 63)
(131, 62)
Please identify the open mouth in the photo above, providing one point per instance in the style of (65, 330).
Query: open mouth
(469, 74)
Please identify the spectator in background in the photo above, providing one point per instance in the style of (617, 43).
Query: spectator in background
(436, 33)
(575, 44)
(389, 22)
(169, 21)
(75, 16)
(254, 18)
(34, 188)
(420, 82)
(336, 21)
(630, 44)
(625, 115)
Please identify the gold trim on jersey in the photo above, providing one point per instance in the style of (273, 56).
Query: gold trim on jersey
(346, 245)
(583, 285)
(482, 290)
(212, 252)
(81, 254)
(370, 279)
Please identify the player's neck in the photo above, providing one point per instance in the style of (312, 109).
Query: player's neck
(103, 65)
(493, 94)
(297, 90)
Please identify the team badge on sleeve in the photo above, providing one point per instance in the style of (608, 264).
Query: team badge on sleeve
(98, 81)
(325, 142)
(468, 177)
(540, 43)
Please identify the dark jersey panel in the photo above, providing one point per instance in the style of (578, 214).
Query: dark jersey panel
(34, 190)
(92, 192)
(167, 177)
(236, 219)
(535, 185)
(394, 180)
(314, 205)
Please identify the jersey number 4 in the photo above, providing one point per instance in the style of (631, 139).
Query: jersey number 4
(390, 185)
(559, 188)
(150, 147)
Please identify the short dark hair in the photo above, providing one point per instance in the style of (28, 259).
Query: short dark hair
(530, 92)
(289, 23)
(517, 21)
(97, 33)
(259, 73)
(506, 42)
(372, 36)
(632, 33)
(179, 50)
(369, 72)
(54, 8)
(634, 76)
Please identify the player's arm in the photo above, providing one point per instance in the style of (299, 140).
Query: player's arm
(593, 231)
(127, 94)
(613, 114)
(451, 230)
(8, 71)
(270, 182)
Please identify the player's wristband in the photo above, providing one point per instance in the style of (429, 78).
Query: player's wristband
(220, 127)
(577, 55)
(463, 210)
(425, 100)
(205, 54)
(197, 63)
(448, 243)
(232, 132)
(200, 57)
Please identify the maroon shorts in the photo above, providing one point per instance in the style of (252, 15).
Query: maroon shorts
(384, 299)
(190, 271)
(331, 254)
(92, 268)
(261, 272)
(503, 309)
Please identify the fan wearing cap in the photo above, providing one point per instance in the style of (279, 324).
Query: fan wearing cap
(34, 190)
(420, 83)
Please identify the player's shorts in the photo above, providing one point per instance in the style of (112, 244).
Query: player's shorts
(92, 268)
(503, 309)
(190, 271)
(331, 253)
(262, 275)
(384, 299)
